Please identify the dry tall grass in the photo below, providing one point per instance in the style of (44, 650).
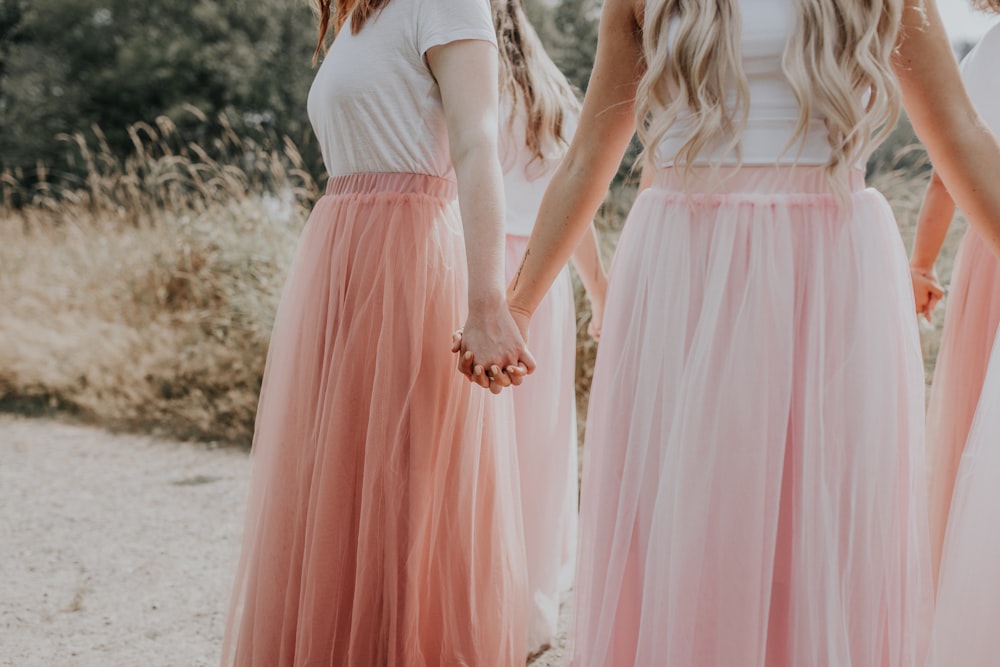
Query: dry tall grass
(141, 296)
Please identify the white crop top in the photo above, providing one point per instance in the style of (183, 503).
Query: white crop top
(374, 104)
(982, 78)
(525, 179)
(774, 111)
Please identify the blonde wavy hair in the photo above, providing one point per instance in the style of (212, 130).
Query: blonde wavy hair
(837, 62)
(532, 83)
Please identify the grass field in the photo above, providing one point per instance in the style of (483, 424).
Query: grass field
(142, 296)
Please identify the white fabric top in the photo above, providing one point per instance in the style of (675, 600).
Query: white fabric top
(774, 111)
(982, 78)
(525, 179)
(374, 105)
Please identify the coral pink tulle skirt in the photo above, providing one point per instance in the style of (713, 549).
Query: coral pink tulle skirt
(384, 518)
(970, 326)
(545, 417)
(754, 488)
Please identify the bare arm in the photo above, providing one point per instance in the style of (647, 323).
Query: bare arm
(965, 153)
(932, 224)
(590, 268)
(466, 72)
(607, 124)
(935, 217)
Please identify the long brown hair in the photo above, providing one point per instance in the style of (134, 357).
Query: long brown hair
(362, 11)
(532, 81)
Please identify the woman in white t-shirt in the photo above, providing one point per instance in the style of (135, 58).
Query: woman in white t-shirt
(973, 315)
(538, 113)
(384, 524)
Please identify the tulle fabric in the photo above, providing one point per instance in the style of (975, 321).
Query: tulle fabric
(384, 518)
(970, 326)
(545, 419)
(967, 619)
(754, 487)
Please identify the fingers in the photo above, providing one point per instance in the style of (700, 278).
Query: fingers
(465, 364)
(527, 362)
(594, 330)
(499, 377)
(516, 374)
(479, 376)
(456, 340)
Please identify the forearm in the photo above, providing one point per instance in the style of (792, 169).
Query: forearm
(480, 184)
(964, 152)
(932, 224)
(587, 261)
(567, 210)
(607, 124)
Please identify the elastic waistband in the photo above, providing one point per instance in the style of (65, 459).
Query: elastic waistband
(398, 183)
(776, 180)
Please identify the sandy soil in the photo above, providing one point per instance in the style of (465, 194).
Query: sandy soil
(117, 549)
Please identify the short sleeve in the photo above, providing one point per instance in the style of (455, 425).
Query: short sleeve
(445, 21)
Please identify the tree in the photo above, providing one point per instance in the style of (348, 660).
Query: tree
(69, 65)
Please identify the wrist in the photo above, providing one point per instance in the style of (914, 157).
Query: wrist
(921, 263)
(484, 301)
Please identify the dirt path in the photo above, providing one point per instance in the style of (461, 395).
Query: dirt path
(116, 549)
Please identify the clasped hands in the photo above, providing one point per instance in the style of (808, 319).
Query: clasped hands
(491, 349)
(927, 290)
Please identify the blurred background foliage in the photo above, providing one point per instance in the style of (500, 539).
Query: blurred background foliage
(69, 66)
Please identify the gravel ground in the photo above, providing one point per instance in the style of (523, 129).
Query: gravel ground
(117, 549)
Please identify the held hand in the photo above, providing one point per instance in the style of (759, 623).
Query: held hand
(492, 352)
(927, 291)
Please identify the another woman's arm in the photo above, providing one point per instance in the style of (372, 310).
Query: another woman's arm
(590, 268)
(935, 217)
(964, 152)
(607, 123)
(466, 72)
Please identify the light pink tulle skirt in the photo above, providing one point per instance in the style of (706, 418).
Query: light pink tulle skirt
(967, 618)
(384, 518)
(970, 325)
(545, 416)
(754, 488)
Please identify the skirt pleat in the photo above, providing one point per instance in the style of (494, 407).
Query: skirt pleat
(384, 519)
(753, 489)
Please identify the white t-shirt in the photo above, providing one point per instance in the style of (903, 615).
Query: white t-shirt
(982, 78)
(374, 105)
(525, 179)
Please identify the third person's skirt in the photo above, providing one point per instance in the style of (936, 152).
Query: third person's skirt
(545, 419)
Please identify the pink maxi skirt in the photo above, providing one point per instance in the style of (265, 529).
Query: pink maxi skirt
(970, 326)
(384, 523)
(545, 417)
(967, 616)
(754, 488)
